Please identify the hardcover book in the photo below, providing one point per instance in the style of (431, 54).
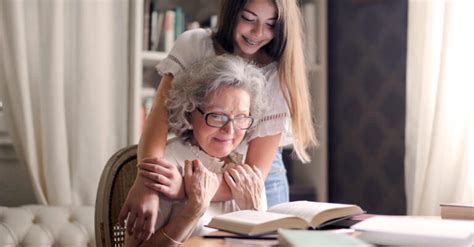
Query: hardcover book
(296, 215)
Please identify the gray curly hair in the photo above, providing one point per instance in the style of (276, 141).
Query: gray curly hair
(193, 85)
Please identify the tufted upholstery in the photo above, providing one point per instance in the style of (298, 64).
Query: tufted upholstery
(45, 226)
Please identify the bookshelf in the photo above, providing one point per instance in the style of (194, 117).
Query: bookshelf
(142, 62)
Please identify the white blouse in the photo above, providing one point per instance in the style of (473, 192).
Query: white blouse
(194, 45)
(177, 151)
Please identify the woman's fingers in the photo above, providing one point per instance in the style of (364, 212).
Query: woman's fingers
(257, 172)
(229, 180)
(188, 168)
(235, 174)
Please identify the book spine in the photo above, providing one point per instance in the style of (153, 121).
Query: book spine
(146, 24)
(178, 24)
(169, 30)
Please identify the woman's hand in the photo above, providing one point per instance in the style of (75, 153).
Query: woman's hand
(141, 208)
(200, 185)
(163, 177)
(246, 184)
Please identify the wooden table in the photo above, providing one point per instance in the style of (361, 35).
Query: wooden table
(198, 241)
(213, 242)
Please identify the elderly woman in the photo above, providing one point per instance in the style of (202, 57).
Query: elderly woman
(211, 106)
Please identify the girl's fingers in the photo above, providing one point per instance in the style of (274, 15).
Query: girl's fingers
(155, 177)
(123, 215)
(155, 168)
(131, 222)
(154, 186)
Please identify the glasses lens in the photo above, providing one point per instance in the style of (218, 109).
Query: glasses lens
(216, 119)
(243, 122)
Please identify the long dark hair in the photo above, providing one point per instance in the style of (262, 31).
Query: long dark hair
(228, 17)
(286, 49)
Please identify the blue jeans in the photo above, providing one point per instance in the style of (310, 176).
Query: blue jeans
(276, 184)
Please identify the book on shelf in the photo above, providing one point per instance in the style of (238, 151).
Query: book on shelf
(297, 215)
(457, 211)
(168, 30)
(415, 231)
(146, 24)
(161, 26)
(303, 238)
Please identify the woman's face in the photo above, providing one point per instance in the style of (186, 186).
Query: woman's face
(255, 27)
(220, 142)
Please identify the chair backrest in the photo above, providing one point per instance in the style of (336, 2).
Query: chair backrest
(117, 178)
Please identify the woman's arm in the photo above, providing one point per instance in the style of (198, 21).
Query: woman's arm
(261, 152)
(142, 203)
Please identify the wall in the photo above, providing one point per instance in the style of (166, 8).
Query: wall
(366, 83)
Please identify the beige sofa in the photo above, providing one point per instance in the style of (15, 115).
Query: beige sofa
(47, 226)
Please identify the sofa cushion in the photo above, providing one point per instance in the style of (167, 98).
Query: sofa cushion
(38, 225)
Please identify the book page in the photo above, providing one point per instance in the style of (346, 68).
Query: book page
(305, 209)
(249, 217)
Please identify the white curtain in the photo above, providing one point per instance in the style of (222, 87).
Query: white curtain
(439, 161)
(63, 80)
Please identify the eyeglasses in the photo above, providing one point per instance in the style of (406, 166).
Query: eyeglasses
(219, 120)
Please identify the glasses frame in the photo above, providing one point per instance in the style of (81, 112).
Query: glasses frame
(229, 119)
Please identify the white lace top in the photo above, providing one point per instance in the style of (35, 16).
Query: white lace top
(177, 151)
(194, 45)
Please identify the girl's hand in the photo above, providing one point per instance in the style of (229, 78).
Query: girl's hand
(200, 184)
(163, 177)
(141, 208)
(246, 184)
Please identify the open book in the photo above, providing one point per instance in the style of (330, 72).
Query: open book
(298, 215)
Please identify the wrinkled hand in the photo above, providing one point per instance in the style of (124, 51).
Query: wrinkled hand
(200, 184)
(246, 184)
(163, 177)
(141, 208)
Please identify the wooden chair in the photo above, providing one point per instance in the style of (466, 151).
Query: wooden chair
(117, 178)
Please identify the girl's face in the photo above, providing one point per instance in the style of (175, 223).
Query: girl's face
(220, 142)
(254, 28)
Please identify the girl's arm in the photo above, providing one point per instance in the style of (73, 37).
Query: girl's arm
(261, 152)
(142, 203)
(153, 139)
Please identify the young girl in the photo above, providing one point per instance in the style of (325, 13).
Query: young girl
(267, 32)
